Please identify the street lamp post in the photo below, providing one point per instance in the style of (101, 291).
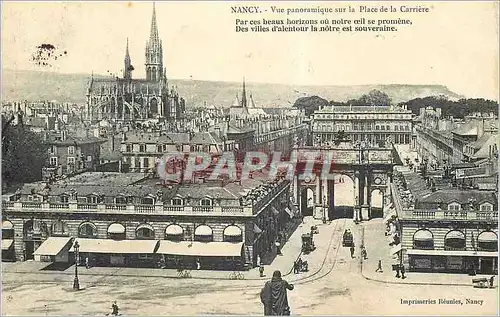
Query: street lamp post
(76, 282)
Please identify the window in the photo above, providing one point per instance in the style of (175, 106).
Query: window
(89, 158)
(396, 128)
(92, 199)
(53, 161)
(121, 200)
(87, 230)
(388, 127)
(377, 127)
(486, 207)
(145, 233)
(71, 160)
(71, 150)
(142, 148)
(382, 127)
(206, 202)
(128, 148)
(177, 201)
(454, 206)
(64, 199)
(52, 149)
(147, 201)
(159, 148)
(407, 128)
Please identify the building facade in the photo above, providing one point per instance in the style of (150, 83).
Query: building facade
(373, 125)
(446, 229)
(129, 220)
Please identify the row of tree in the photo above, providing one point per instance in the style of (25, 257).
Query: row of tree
(456, 109)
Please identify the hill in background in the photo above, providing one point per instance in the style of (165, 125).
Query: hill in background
(33, 85)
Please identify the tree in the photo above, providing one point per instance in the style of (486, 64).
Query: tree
(375, 98)
(310, 104)
(23, 154)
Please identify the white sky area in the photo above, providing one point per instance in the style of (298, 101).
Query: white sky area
(456, 44)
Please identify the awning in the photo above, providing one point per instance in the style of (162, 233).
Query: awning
(7, 225)
(232, 231)
(200, 248)
(116, 228)
(455, 234)
(487, 236)
(174, 230)
(423, 235)
(117, 246)
(451, 253)
(53, 245)
(6, 244)
(203, 230)
(396, 249)
(256, 229)
(145, 226)
(289, 212)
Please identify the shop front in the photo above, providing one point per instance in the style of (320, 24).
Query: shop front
(452, 261)
(209, 255)
(108, 252)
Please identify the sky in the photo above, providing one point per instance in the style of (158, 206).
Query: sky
(455, 44)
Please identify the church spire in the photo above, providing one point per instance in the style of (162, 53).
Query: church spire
(244, 95)
(154, 53)
(127, 70)
(153, 36)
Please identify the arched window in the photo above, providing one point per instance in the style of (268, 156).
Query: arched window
(177, 201)
(233, 234)
(87, 230)
(454, 240)
(486, 207)
(121, 200)
(145, 231)
(487, 241)
(423, 239)
(148, 201)
(203, 233)
(206, 202)
(60, 228)
(174, 232)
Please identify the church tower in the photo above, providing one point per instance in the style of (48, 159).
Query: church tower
(244, 95)
(127, 70)
(154, 53)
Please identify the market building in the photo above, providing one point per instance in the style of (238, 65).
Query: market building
(131, 219)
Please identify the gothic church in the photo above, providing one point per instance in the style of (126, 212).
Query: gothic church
(127, 99)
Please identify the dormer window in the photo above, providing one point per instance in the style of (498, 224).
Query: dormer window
(92, 199)
(64, 199)
(486, 207)
(177, 201)
(148, 201)
(454, 206)
(121, 200)
(206, 202)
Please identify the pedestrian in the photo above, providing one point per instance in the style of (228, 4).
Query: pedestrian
(198, 264)
(398, 270)
(87, 264)
(258, 260)
(274, 296)
(352, 250)
(379, 267)
(114, 309)
(363, 252)
(278, 248)
(492, 279)
(295, 267)
(403, 271)
(261, 270)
